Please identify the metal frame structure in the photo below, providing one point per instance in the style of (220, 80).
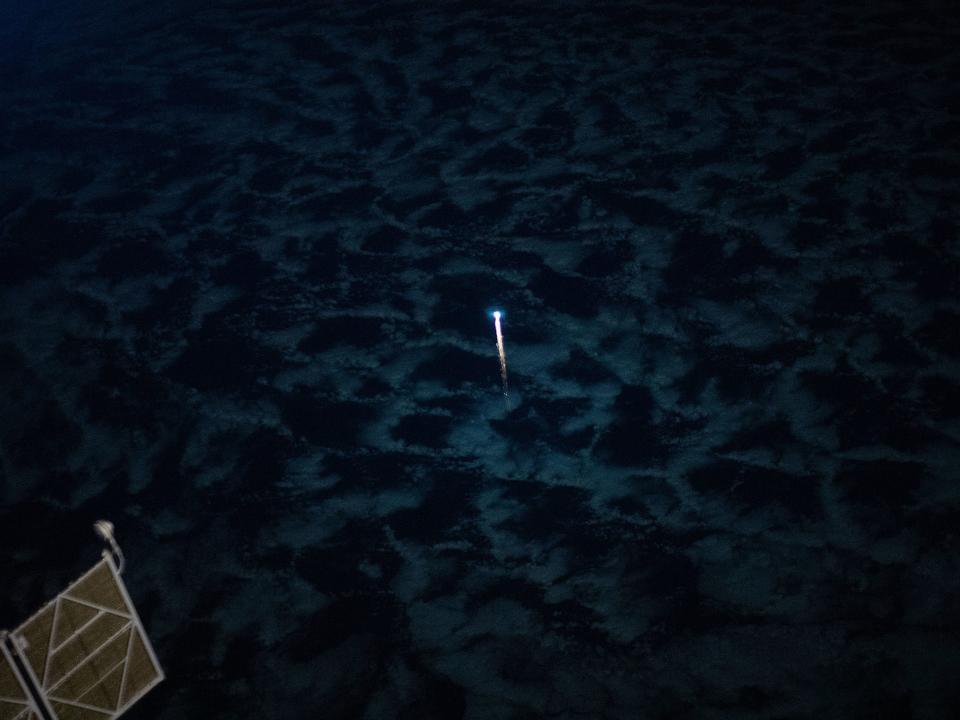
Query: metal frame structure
(31, 710)
(80, 665)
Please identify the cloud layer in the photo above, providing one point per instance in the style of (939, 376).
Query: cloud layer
(248, 256)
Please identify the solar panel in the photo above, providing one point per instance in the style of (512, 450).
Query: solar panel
(16, 702)
(86, 651)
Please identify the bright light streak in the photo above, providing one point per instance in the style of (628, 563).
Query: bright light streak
(503, 356)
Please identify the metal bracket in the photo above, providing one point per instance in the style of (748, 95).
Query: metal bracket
(104, 530)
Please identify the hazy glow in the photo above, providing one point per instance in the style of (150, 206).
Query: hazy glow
(502, 354)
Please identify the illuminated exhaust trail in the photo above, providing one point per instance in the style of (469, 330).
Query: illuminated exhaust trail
(503, 357)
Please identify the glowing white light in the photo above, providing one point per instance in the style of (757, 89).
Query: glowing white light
(503, 356)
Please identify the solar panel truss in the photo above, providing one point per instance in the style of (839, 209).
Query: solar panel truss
(86, 651)
(16, 702)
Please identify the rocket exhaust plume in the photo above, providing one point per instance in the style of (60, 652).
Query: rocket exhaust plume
(503, 357)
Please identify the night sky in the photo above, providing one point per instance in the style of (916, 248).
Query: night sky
(249, 252)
